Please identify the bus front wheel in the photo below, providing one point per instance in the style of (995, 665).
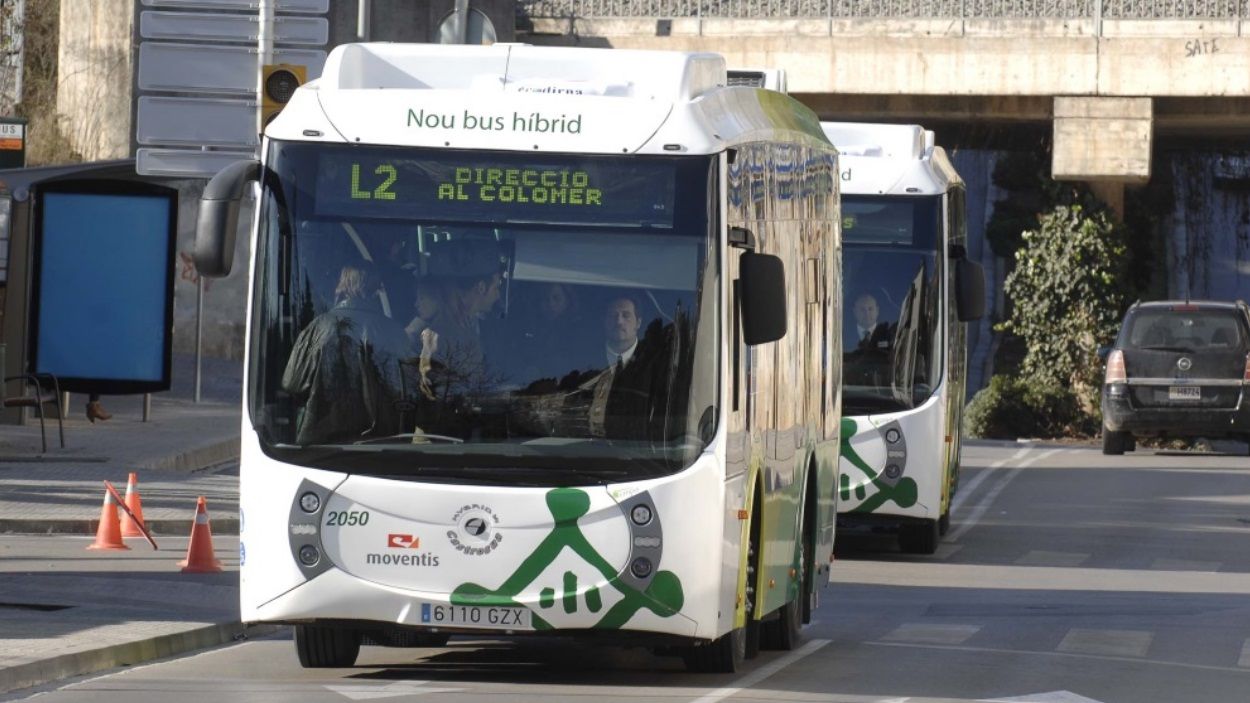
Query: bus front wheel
(326, 647)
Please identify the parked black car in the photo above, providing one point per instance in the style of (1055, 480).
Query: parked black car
(1179, 368)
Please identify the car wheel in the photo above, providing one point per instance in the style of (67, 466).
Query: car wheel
(1114, 442)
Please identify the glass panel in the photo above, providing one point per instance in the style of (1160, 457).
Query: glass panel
(1196, 330)
(449, 338)
(891, 336)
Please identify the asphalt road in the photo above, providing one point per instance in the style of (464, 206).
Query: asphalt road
(1067, 577)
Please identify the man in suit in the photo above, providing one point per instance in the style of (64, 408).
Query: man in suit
(625, 393)
(871, 334)
(868, 354)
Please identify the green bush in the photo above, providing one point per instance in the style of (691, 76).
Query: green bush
(1068, 291)
(1011, 407)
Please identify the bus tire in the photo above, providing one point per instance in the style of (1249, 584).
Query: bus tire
(724, 655)
(919, 538)
(326, 647)
(785, 632)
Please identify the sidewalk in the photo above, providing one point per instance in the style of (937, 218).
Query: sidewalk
(66, 611)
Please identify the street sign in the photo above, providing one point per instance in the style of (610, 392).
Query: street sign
(12, 143)
(178, 121)
(313, 6)
(186, 163)
(207, 68)
(202, 26)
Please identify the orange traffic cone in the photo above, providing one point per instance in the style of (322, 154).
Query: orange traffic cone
(200, 558)
(109, 533)
(130, 528)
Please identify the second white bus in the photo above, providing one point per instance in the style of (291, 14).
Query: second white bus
(909, 290)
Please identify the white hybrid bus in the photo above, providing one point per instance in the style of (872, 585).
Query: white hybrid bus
(537, 344)
(909, 290)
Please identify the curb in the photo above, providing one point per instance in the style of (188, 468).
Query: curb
(159, 528)
(65, 666)
(197, 459)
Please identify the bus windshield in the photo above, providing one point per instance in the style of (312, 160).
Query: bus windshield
(497, 317)
(891, 330)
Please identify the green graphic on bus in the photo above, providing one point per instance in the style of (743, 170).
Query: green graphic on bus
(904, 493)
(662, 597)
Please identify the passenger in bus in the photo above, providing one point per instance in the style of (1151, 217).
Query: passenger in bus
(466, 283)
(345, 366)
(545, 341)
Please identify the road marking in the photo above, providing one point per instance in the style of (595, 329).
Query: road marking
(967, 490)
(1184, 565)
(927, 633)
(358, 692)
(762, 673)
(1117, 643)
(1244, 662)
(1072, 655)
(992, 495)
(1040, 557)
(1052, 697)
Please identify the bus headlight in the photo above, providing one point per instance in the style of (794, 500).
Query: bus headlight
(309, 555)
(641, 515)
(892, 435)
(640, 567)
(310, 502)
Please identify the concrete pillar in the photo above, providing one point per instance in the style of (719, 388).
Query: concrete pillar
(1111, 193)
(1102, 139)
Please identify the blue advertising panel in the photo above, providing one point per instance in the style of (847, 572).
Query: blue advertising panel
(102, 304)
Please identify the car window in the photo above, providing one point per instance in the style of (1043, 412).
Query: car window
(1190, 330)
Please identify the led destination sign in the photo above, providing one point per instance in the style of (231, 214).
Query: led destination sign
(499, 188)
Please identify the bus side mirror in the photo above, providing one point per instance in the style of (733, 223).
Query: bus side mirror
(762, 288)
(219, 217)
(969, 290)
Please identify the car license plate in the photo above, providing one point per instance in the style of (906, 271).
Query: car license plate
(1184, 392)
(476, 616)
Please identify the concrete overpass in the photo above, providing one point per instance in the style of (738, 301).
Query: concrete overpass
(1109, 75)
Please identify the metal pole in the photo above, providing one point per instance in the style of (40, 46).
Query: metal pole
(199, 334)
(363, 21)
(462, 21)
(264, 55)
(18, 22)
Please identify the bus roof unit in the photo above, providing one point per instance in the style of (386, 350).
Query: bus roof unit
(890, 159)
(533, 98)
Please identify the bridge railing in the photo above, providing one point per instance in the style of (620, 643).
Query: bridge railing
(887, 9)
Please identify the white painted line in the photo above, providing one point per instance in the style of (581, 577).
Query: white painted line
(1244, 662)
(1071, 655)
(1052, 697)
(364, 692)
(1040, 557)
(1185, 565)
(992, 495)
(762, 673)
(1116, 643)
(967, 490)
(928, 633)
